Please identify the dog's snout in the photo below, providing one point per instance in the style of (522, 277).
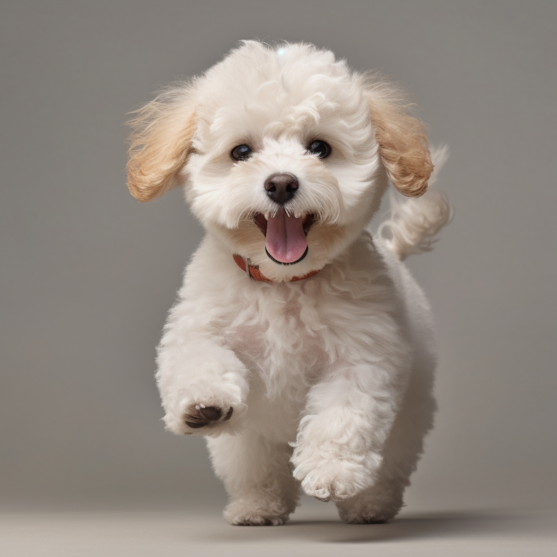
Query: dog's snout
(281, 187)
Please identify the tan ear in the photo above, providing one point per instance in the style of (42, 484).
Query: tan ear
(161, 139)
(402, 145)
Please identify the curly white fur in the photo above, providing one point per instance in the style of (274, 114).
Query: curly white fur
(324, 383)
(415, 223)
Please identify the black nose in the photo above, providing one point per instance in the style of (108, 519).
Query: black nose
(281, 187)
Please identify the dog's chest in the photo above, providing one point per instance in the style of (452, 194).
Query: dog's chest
(277, 341)
(281, 346)
(289, 335)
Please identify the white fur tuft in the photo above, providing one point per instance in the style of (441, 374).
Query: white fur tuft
(415, 222)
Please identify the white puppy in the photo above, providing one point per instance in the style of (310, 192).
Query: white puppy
(299, 344)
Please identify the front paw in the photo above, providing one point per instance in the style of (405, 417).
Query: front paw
(200, 415)
(335, 479)
(332, 477)
(205, 412)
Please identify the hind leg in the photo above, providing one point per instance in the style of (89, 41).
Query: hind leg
(382, 501)
(257, 477)
(375, 505)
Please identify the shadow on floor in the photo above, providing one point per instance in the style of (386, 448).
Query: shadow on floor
(442, 525)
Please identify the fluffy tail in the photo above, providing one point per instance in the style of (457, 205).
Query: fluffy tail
(415, 222)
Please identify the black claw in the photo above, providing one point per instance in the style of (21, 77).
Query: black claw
(228, 414)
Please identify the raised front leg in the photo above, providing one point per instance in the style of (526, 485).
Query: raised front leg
(203, 385)
(349, 415)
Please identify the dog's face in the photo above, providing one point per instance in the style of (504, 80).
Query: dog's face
(284, 154)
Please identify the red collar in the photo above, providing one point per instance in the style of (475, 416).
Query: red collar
(254, 273)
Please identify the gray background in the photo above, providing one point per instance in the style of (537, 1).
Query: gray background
(88, 273)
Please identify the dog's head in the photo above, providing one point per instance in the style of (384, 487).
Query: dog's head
(284, 153)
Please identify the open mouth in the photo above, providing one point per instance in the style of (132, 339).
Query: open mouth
(285, 236)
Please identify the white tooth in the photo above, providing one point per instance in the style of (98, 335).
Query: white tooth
(266, 215)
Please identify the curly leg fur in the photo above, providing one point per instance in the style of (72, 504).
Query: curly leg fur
(257, 477)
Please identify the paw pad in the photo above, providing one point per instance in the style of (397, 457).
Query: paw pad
(199, 415)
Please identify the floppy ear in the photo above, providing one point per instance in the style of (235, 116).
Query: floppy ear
(402, 144)
(161, 139)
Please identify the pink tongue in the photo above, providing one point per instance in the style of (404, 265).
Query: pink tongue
(285, 238)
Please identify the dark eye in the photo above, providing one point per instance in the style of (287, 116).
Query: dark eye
(320, 148)
(241, 152)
